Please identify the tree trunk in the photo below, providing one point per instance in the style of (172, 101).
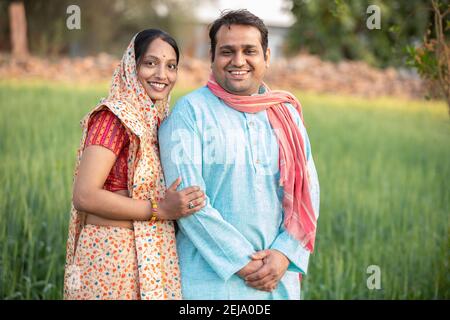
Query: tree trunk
(18, 26)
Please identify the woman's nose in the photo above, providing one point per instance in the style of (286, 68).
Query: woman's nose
(161, 72)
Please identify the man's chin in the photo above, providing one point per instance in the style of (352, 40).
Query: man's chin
(238, 90)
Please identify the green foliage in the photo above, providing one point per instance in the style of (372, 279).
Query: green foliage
(432, 57)
(384, 180)
(423, 61)
(337, 29)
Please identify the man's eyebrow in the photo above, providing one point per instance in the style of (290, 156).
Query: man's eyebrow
(245, 46)
(249, 46)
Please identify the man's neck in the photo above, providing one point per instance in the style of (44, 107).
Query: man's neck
(261, 90)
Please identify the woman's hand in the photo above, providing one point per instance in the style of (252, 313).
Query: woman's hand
(176, 203)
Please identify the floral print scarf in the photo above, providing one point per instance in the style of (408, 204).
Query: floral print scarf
(159, 275)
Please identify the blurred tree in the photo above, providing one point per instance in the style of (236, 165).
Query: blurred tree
(337, 29)
(432, 57)
(18, 26)
(106, 25)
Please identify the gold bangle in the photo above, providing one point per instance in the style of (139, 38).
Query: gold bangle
(154, 210)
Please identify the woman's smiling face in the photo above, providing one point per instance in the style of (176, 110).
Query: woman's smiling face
(157, 69)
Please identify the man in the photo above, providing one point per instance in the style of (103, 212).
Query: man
(247, 147)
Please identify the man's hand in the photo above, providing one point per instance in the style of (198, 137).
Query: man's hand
(250, 268)
(274, 267)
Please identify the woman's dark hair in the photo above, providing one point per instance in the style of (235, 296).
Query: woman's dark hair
(240, 17)
(145, 37)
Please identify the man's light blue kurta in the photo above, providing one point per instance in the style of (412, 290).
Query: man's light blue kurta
(233, 157)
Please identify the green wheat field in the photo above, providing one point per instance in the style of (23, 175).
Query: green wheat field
(383, 165)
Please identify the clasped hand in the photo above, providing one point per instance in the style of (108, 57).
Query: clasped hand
(265, 270)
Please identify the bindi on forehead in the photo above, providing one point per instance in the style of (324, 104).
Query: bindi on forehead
(158, 54)
(160, 58)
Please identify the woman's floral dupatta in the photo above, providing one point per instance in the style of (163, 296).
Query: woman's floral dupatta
(159, 275)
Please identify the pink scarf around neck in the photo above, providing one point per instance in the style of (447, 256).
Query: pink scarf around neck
(299, 218)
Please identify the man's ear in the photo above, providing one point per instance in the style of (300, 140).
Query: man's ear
(267, 57)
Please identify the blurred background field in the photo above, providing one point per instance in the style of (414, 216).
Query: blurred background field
(376, 104)
(383, 167)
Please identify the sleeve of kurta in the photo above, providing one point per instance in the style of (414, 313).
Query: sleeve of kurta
(224, 248)
(285, 243)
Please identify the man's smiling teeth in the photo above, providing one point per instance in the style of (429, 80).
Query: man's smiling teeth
(157, 85)
(238, 72)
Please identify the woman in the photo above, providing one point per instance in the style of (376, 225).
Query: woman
(121, 242)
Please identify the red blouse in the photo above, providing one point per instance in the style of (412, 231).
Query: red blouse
(106, 130)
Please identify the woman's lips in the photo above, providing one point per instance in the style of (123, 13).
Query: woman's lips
(157, 86)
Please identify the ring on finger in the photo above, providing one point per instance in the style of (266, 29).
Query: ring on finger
(191, 205)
